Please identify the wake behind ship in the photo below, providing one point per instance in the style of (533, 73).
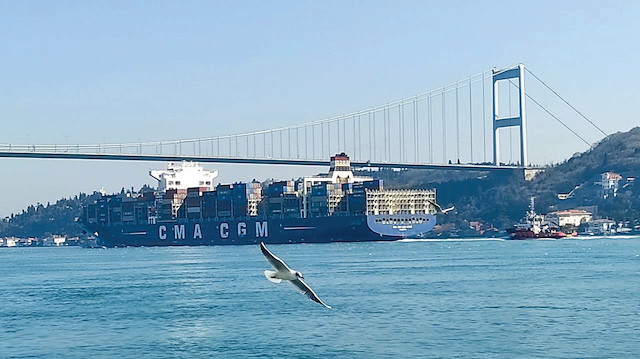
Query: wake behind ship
(187, 209)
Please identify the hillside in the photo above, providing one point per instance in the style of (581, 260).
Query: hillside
(41, 220)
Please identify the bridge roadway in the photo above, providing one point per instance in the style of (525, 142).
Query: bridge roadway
(238, 160)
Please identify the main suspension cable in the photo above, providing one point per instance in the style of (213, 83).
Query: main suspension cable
(554, 116)
(567, 102)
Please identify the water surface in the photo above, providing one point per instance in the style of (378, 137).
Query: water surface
(484, 299)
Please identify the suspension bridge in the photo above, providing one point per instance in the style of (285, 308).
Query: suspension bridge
(456, 126)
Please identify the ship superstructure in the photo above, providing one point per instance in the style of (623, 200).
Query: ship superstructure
(534, 225)
(187, 209)
(184, 175)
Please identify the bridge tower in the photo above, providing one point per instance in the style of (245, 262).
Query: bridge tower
(513, 121)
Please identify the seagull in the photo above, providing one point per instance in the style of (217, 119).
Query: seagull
(439, 209)
(283, 272)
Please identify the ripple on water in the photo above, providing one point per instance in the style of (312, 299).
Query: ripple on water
(548, 299)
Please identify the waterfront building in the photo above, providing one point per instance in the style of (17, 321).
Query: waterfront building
(59, 240)
(601, 227)
(570, 217)
(10, 242)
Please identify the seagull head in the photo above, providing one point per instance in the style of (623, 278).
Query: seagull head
(299, 275)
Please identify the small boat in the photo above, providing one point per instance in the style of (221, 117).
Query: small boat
(534, 226)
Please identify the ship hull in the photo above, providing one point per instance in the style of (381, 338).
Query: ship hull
(528, 234)
(253, 230)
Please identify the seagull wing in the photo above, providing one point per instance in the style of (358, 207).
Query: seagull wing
(276, 262)
(444, 211)
(439, 209)
(306, 290)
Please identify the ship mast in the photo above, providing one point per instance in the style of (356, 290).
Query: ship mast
(532, 205)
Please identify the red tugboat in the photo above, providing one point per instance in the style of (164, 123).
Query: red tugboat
(533, 226)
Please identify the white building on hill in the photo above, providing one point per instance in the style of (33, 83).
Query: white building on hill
(609, 184)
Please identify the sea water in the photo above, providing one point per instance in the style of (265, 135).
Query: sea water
(410, 299)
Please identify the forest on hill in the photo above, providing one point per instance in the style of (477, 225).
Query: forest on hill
(42, 220)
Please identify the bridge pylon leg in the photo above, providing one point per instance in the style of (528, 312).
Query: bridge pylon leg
(514, 121)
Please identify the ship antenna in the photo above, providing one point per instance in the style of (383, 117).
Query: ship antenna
(532, 205)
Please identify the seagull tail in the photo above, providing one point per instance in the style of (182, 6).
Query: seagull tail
(271, 276)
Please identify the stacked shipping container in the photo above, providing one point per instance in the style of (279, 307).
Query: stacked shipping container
(281, 200)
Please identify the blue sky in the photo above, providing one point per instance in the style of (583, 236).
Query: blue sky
(117, 71)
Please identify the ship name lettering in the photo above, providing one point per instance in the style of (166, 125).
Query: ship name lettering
(179, 231)
(224, 230)
(242, 229)
(162, 232)
(197, 232)
(262, 230)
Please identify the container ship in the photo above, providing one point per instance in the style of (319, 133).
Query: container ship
(186, 208)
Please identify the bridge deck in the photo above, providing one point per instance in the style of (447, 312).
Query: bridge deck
(234, 160)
